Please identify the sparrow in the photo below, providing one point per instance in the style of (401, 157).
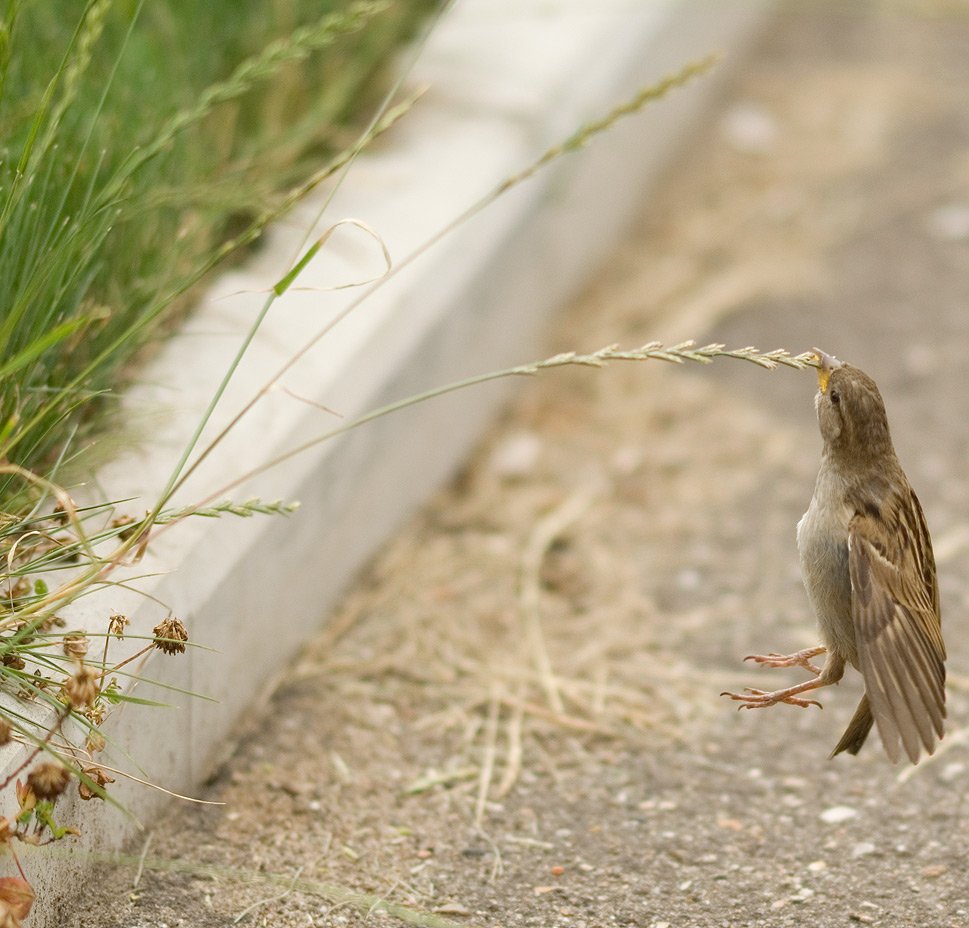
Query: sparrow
(867, 565)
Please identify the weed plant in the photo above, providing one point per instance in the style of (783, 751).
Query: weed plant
(141, 144)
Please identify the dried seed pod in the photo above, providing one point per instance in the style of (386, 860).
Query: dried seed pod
(76, 645)
(98, 776)
(174, 633)
(49, 779)
(81, 689)
(117, 623)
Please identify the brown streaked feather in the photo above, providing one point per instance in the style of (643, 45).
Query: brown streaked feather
(895, 609)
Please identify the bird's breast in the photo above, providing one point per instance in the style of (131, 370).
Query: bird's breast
(822, 542)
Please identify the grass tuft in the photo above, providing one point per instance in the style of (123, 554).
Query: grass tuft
(134, 158)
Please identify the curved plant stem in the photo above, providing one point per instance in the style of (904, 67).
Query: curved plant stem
(652, 351)
(574, 142)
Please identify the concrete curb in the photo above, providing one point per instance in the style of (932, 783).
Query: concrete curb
(507, 79)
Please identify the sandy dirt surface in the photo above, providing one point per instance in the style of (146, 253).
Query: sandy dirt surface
(514, 718)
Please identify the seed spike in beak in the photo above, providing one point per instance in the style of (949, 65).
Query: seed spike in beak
(828, 364)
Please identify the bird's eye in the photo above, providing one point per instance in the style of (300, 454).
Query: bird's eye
(835, 397)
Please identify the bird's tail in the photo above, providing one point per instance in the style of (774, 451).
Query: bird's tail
(857, 730)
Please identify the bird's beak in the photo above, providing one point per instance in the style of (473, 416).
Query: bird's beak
(829, 363)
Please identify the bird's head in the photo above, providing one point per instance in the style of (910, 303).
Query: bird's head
(851, 412)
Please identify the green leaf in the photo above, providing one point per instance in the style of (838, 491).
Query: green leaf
(40, 345)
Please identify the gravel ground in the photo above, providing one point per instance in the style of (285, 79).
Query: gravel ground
(514, 718)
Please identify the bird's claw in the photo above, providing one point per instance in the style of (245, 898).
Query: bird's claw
(760, 699)
(797, 659)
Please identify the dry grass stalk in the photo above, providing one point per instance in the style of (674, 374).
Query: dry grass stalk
(490, 748)
(542, 538)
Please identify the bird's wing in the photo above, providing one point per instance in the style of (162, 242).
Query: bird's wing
(895, 608)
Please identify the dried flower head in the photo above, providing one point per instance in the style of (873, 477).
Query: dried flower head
(76, 645)
(170, 636)
(96, 775)
(70, 552)
(14, 660)
(127, 525)
(117, 624)
(81, 689)
(94, 742)
(18, 590)
(48, 779)
(60, 512)
(6, 731)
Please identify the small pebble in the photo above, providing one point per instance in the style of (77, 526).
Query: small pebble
(749, 128)
(863, 849)
(517, 455)
(837, 814)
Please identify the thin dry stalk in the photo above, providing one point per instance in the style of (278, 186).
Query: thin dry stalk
(141, 861)
(277, 898)
(513, 757)
(450, 717)
(490, 749)
(530, 590)
(497, 864)
(558, 718)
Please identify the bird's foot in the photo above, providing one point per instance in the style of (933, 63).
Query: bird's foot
(759, 699)
(797, 659)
